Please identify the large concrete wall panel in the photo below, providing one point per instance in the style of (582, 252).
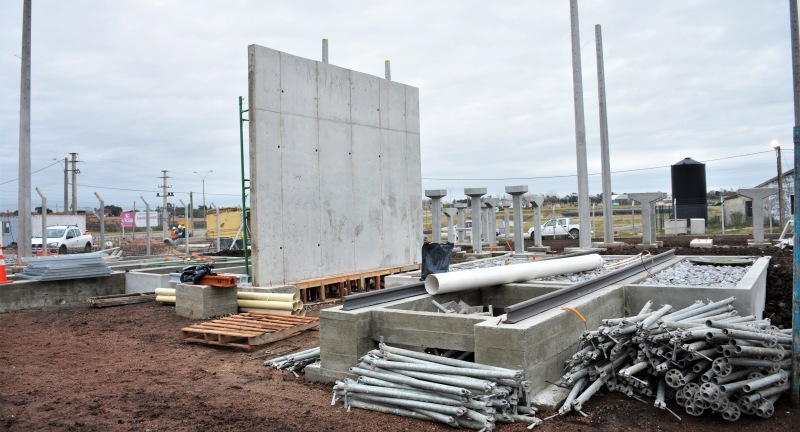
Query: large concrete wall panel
(332, 191)
(337, 198)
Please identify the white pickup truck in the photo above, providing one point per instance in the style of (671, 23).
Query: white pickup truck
(63, 239)
(561, 227)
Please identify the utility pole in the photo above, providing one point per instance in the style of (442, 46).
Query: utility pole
(66, 185)
(24, 193)
(75, 173)
(164, 194)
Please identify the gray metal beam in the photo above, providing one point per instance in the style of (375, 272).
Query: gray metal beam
(520, 311)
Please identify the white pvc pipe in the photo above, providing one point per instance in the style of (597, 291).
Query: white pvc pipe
(441, 283)
(300, 312)
(165, 292)
(285, 297)
(268, 304)
(165, 299)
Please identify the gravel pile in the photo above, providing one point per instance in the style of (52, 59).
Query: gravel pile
(687, 273)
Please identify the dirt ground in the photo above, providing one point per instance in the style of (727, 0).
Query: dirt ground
(125, 368)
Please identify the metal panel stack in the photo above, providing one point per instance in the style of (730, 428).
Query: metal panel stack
(294, 362)
(705, 357)
(434, 388)
(59, 267)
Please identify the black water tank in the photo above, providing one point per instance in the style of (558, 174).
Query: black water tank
(689, 189)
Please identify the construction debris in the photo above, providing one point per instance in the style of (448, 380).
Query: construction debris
(434, 388)
(58, 267)
(295, 362)
(704, 357)
(453, 307)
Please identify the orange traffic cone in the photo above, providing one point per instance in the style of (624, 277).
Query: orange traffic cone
(3, 276)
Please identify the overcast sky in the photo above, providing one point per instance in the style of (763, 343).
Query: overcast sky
(136, 86)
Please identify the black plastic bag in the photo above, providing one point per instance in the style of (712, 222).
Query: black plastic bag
(192, 273)
(435, 258)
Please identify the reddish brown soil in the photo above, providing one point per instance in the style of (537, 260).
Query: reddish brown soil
(125, 368)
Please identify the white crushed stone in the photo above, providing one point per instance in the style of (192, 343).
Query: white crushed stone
(690, 274)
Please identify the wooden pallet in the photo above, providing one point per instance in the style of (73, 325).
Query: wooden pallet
(248, 330)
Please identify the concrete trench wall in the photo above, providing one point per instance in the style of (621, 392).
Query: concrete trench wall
(30, 294)
(539, 345)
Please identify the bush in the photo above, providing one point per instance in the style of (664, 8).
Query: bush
(736, 219)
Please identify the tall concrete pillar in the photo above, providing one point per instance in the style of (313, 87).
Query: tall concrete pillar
(24, 228)
(538, 200)
(461, 208)
(647, 199)
(516, 193)
(758, 195)
(585, 240)
(475, 195)
(506, 218)
(436, 212)
(451, 231)
(605, 158)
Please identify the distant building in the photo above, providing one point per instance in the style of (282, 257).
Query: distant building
(737, 204)
(9, 223)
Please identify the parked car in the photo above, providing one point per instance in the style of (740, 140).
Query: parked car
(63, 239)
(560, 227)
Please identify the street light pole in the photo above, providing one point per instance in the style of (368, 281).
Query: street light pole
(205, 210)
(777, 148)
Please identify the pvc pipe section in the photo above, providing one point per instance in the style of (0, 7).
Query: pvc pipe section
(282, 297)
(300, 312)
(441, 283)
(270, 304)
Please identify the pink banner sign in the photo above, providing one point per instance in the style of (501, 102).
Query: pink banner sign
(126, 219)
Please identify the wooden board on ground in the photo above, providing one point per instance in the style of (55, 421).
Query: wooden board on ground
(248, 330)
(121, 299)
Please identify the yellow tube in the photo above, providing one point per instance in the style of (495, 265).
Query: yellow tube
(165, 299)
(284, 297)
(165, 292)
(301, 312)
(272, 311)
(262, 304)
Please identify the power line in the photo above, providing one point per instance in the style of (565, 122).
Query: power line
(32, 172)
(575, 175)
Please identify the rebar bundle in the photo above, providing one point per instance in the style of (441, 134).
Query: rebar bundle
(704, 357)
(437, 388)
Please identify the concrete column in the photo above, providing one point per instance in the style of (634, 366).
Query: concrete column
(491, 219)
(475, 194)
(102, 216)
(647, 199)
(461, 208)
(24, 228)
(147, 222)
(585, 240)
(436, 212)
(506, 218)
(758, 195)
(516, 193)
(538, 200)
(44, 220)
(451, 231)
(605, 158)
(325, 51)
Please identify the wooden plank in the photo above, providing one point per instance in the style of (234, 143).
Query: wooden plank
(282, 334)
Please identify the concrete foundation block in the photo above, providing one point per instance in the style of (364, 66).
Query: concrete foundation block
(753, 243)
(642, 246)
(550, 398)
(204, 301)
